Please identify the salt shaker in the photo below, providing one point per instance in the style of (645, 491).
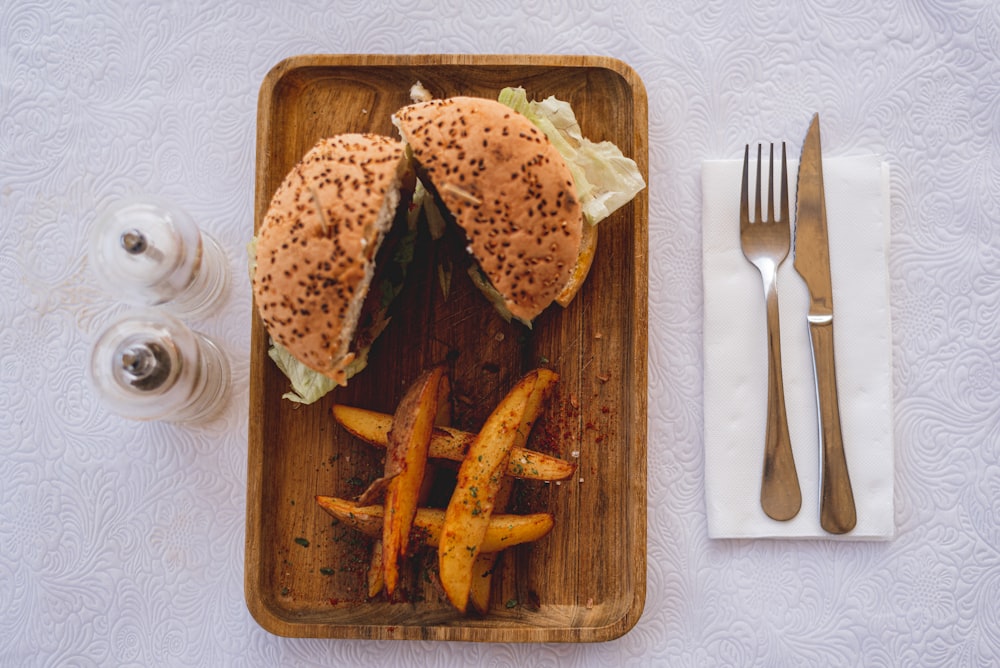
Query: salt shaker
(149, 252)
(151, 366)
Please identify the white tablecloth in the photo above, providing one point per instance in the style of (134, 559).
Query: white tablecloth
(122, 543)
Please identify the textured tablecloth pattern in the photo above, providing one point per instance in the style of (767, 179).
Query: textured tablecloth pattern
(122, 543)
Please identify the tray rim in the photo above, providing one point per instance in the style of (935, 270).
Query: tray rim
(636, 487)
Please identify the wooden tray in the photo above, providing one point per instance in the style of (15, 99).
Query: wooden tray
(586, 580)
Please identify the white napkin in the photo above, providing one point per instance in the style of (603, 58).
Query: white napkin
(857, 202)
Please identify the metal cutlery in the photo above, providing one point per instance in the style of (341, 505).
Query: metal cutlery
(765, 243)
(812, 261)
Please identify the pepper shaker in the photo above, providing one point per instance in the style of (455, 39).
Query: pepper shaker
(151, 366)
(149, 252)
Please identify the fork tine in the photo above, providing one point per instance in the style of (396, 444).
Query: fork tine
(744, 192)
(756, 206)
(784, 186)
(770, 186)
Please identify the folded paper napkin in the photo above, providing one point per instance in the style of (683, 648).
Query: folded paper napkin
(735, 391)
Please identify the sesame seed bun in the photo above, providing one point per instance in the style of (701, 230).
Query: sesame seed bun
(508, 187)
(317, 244)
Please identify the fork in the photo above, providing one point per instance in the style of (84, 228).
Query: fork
(765, 244)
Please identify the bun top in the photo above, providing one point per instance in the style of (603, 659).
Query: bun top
(316, 246)
(508, 187)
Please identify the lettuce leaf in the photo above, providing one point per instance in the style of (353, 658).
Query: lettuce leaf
(605, 179)
(307, 385)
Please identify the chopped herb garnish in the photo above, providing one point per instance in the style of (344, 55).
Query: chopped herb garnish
(512, 603)
(302, 541)
(326, 571)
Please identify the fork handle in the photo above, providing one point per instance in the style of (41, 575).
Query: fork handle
(780, 496)
(837, 513)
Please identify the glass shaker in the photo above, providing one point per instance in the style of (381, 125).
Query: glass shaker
(149, 252)
(151, 366)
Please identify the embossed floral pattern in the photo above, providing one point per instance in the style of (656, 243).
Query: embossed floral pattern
(30, 520)
(122, 543)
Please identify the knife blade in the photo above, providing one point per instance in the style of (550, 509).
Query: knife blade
(812, 261)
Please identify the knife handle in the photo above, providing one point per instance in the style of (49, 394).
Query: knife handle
(837, 513)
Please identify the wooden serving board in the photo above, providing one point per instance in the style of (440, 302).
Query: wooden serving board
(585, 581)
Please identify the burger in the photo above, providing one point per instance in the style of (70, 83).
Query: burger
(513, 181)
(339, 214)
(509, 190)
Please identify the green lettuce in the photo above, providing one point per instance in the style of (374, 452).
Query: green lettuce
(307, 385)
(605, 179)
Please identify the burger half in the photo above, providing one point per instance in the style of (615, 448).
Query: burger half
(338, 215)
(526, 188)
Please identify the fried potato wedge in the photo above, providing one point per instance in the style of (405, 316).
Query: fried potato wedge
(481, 584)
(479, 478)
(485, 564)
(406, 459)
(448, 443)
(503, 531)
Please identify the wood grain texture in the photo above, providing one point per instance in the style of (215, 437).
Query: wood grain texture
(585, 581)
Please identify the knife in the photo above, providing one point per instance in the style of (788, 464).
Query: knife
(812, 260)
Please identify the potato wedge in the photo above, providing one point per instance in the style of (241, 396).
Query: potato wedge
(481, 583)
(485, 564)
(468, 514)
(448, 443)
(406, 459)
(504, 530)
